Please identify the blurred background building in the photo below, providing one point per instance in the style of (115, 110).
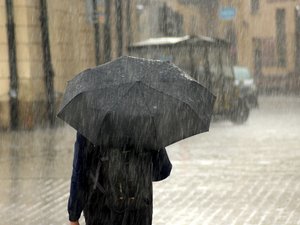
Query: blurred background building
(265, 37)
(45, 43)
(159, 18)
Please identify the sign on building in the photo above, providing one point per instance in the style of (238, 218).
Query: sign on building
(227, 13)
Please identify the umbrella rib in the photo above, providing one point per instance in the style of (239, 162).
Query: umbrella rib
(174, 98)
(82, 92)
(152, 118)
(117, 102)
(109, 86)
(134, 82)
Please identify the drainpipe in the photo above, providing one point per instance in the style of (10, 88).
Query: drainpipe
(97, 33)
(47, 64)
(13, 86)
(128, 23)
(119, 26)
(107, 38)
(296, 80)
(297, 38)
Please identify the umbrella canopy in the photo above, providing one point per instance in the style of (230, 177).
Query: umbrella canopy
(149, 102)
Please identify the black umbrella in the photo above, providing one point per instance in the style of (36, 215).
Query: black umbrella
(150, 102)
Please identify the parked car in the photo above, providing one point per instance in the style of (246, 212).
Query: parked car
(244, 80)
(207, 60)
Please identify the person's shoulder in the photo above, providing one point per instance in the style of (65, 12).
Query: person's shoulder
(80, 138)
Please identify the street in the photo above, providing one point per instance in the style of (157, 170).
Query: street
(235, 174)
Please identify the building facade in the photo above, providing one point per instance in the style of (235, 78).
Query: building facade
(265, 38)
(37, 60)
(158, 18)
(26, 58)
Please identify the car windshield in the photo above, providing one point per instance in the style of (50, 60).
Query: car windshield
(242, 73)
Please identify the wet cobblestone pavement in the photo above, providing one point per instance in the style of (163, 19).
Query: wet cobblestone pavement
(235, 174)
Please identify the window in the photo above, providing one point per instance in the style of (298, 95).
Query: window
(254, 6)
(265, 52)
(268, 52)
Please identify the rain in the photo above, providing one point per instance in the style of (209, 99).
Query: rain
(244, 170)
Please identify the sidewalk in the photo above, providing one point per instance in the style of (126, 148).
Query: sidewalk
(233, 175)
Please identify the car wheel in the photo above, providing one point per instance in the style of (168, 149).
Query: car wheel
(241, 113)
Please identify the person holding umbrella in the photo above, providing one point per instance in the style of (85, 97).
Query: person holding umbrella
(80, 193)
(126, 112)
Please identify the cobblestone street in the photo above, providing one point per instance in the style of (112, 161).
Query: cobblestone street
(233, 175)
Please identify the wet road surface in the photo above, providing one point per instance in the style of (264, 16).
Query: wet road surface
(235, 174)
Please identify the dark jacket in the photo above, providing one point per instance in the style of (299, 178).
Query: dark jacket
(161, 170)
